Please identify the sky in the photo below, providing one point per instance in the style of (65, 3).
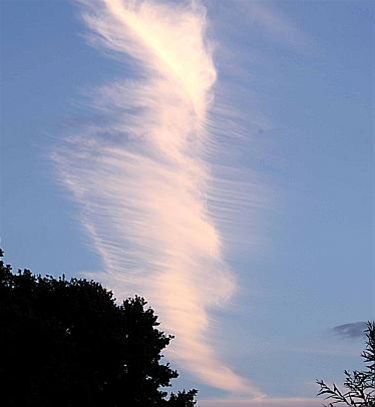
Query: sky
(216, 157)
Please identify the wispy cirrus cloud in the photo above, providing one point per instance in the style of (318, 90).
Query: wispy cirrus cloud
(274, 22)
(268, 18)
(143, 179)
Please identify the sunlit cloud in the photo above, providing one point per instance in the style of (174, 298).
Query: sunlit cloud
(143, 180)
(264, 402)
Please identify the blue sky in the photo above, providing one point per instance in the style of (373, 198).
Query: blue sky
(300, 76)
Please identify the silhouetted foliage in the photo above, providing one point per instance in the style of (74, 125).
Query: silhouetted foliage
(360, 386)
(67, 343)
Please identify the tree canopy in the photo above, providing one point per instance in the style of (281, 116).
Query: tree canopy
(359, 385)
(68, 343)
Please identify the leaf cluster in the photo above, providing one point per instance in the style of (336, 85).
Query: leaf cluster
(359, 385)
(68, 343)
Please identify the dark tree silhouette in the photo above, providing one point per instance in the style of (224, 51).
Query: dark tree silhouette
(360, 386)
(68, 343)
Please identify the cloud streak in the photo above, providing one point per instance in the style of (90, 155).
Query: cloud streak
(143, 179)
(352, 330)
(274, 22)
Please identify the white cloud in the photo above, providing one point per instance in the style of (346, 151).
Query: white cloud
(143, 180)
